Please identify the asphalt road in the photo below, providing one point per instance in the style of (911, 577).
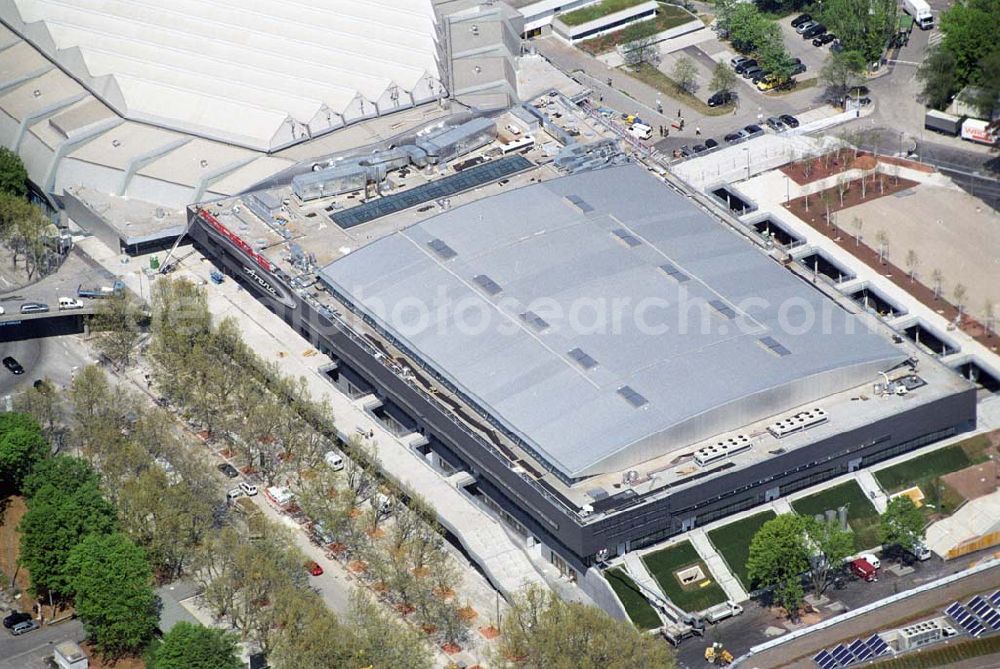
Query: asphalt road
(54, 358)
(29, 651)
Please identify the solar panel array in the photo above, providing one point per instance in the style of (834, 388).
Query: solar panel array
(582, 359)
(978, 616)
(467, 179)
(856, 651)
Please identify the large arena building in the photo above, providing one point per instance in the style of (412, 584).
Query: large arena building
(608, 363)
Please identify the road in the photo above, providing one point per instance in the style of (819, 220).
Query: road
(29, 651)
(54, 358)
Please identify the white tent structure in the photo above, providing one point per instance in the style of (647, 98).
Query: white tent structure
(262, 74)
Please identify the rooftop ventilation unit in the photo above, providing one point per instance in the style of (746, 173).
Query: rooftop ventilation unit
(534, 320)
(487, 284)
(720, 450)
(800, 421)
(582, 359)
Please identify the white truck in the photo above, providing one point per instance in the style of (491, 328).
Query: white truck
(921, 13)
(722, 611)
(640, 131)
(978, 131)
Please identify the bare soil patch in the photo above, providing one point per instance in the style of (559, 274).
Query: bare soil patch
(814, 169)
(11, 511)
(975, 481)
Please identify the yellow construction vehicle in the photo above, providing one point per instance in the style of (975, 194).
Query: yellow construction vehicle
(718, 655)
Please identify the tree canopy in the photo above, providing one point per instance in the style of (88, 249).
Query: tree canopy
(13, 175)
(189, 646)
(842, 71)
(864, 26)
(778, 556)
(61, 512)
(22, 446)
(968, 54)
(541, 631)
(113, 594)
(902, 524)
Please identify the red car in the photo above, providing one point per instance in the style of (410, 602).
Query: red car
(313, 568)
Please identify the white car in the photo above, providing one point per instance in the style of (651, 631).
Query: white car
(2, 311)
(235, 493)
(248, 488)
(69, 303)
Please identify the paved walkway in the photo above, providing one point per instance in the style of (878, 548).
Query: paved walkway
(872, 489)
(636, 568)
(783, 506)
(706, 551)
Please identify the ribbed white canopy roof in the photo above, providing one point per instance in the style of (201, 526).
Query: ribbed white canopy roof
(260, 73)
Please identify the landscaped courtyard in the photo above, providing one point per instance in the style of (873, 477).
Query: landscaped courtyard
(862, 516)
(732, 541)
(684, 578)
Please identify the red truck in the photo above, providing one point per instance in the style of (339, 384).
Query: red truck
(864, 570)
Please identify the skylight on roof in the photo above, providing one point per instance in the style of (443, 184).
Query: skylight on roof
(626, 236)
(674, 272)
(442, 249)
(582, 359)
(534, 320)
(774, 346)
(487, 284)
(723, 308)
(580, 203)
(632, 397)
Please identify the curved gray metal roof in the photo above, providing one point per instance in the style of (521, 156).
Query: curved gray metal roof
(606, 320)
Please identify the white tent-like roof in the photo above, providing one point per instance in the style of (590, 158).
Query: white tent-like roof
(259, 73)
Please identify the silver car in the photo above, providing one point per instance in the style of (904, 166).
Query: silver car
(805, 26)
(24, 628)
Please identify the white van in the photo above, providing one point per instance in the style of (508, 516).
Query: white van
(334, 460)
(69, 303)
(640, 131)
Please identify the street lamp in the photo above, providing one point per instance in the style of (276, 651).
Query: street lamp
(747, 151)
(788, 196)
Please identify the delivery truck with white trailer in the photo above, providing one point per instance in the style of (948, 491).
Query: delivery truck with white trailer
(946, 124)
(976, 130)
(921, 13)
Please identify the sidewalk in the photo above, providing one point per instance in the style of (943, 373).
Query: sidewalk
(717, 566)
(870, 486)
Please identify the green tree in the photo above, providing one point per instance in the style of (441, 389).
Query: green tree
(57, 519)
(189, 646)
(113, 594)
(862, 25)
(640, 44)
(13, 175)
(22, 446)
(118, 321)
(841, 72)
(779, 555)
(723, 78)
(685, 74)
(939, 76)
(774, 57)
(831, 545)
(542, 631)
(902, 524)
(27, 232)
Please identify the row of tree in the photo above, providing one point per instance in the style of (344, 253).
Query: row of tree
(24, 228)
(753, 32)
(864, 27)
(968, 55)
(790, 547)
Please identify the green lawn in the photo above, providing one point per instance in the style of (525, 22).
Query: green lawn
(662, 565)
(861, 513)
(602, 8)
(651, 76)
(639, 610)
(667, 17)
(733, 542)
(936, 463)
(943, 656)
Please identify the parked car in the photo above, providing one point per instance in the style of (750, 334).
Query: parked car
(824, 39)
(767, 83)
(699, 148)
(229, 470)
(711, 143)
(721, 98)
(753, 130)
(863, 570)
(69, 303)
(759, 77)
(803, 27)
(314, 568)
(13, 365)
(745, 65)
(686, 151)
(34, 308)
(15, 618)
(234, 493)
(836, 47)
(736, 61)
(789, 120)
(775, 124)
(798, 69)
(752, 72)
(800, 19)
(732, 138)
(24, 628)
(2, 311)
(815, 31)
(249, 489)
